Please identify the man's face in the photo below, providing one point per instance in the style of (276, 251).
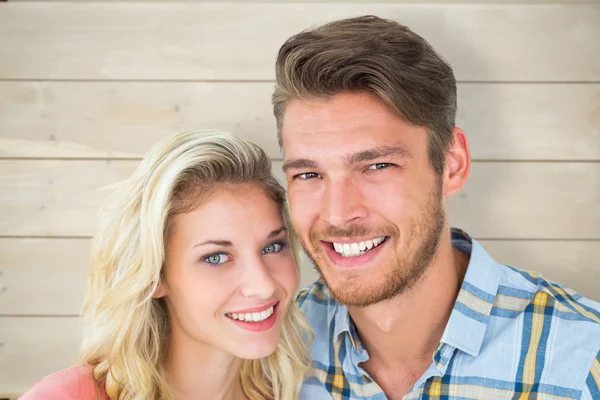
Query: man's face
(364, 198)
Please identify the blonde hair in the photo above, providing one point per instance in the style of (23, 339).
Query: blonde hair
(126, 330)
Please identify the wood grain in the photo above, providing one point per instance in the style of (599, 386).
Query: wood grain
(43, 276)
(123, 119)
(239, 40)
(31, 348)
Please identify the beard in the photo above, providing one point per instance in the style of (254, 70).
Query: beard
(362, 289)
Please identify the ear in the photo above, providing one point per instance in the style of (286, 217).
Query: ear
(160, 291)
(458, 163)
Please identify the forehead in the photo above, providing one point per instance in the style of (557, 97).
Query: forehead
(349, 122)
(233, 211)
(346, 110)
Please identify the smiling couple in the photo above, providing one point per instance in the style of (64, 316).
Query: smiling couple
(193, 274)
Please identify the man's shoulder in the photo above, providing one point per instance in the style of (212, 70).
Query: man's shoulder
(548, 295)
(554, 320)
(69, 384)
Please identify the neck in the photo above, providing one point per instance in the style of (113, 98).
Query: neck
(409, 327)
(199, 371)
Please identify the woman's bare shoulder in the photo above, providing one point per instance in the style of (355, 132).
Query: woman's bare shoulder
(69, 384)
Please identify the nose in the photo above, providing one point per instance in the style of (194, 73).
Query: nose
(342, 202)
(257, 280)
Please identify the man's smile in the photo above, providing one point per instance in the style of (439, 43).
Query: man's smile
(353, 252)
(357, 248)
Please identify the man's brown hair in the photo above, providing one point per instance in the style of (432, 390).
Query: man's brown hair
(373, 55)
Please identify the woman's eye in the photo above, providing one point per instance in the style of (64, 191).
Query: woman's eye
(379, 166)
(307, 175)
(217, 258)
(273, 248)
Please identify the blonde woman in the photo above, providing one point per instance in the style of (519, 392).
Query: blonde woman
(190, 292)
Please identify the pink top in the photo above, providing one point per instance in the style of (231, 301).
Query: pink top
(75, 383)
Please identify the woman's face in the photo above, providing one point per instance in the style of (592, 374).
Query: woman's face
(230, 273)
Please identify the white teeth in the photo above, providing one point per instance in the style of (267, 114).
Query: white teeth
(358, 248)
(253, 317)
(346, 249)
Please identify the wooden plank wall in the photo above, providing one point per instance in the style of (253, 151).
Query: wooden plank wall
(86, 88)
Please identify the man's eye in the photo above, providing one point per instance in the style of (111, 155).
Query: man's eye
(307, 175)
(380, 166)
(217, 258)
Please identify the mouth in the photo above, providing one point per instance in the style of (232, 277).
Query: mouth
(256, 316)
(257, 319)
(356, 249)
(348, 253)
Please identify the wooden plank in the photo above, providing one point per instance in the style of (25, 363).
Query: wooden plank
(47, 276)
(344, 1)
(123, 119)
(170, 41)
(516, 200)
(31, 348)
(530, 201)
(531, 122)
(49, 198)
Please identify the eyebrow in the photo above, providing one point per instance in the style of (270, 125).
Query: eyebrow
(351, 159)
(227, 243)
(299, 163)
(276, 232)
(376, 153)
(224, 243)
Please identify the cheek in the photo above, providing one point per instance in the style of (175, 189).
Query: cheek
(302, 209)
(304, 196)
(285, 274)
(390, 200)
(195, 293)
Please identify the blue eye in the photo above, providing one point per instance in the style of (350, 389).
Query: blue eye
(307, 175)
(273, 248)
(216, 258)
(379, 166)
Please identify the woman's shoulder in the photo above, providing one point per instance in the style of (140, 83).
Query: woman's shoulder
(69, 384)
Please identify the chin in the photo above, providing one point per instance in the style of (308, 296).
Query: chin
(351, 290)
(255, 351)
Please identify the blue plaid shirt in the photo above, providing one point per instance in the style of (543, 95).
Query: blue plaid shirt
(511, 335)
